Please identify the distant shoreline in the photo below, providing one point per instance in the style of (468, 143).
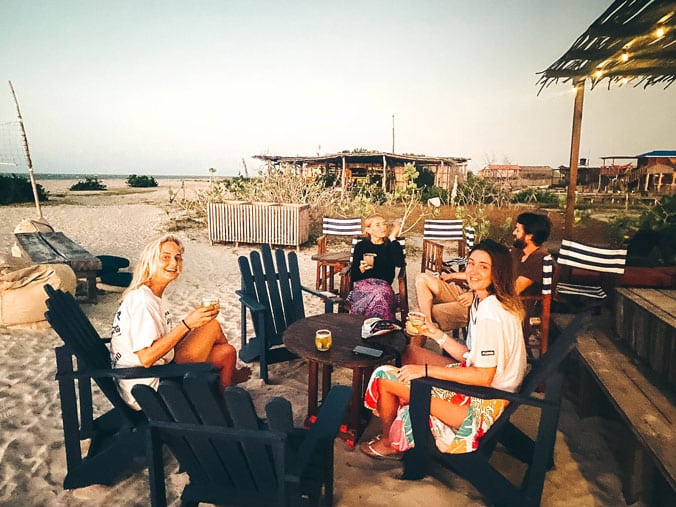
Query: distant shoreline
(81, 176)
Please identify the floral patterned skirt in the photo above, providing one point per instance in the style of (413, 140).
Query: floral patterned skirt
(480, 417)
(373, 297)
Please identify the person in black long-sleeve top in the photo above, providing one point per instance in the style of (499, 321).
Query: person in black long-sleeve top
(372, 293)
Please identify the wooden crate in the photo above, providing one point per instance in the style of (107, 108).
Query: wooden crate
(259, 222)
(646, 320)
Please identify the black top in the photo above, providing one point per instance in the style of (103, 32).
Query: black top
(388, 256)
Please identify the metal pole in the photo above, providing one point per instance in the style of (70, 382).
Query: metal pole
(28, 154)
(392, 133)
(574, 158)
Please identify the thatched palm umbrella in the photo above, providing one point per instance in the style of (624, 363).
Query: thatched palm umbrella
(633, 41)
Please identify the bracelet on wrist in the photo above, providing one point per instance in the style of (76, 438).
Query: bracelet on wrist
(442, 340)
(186, 325)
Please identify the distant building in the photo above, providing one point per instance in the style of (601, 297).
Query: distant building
(516, 177)
(386, 168)
(655, 172)
(652, 174)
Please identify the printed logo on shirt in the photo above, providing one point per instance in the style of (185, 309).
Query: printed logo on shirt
(487, 352)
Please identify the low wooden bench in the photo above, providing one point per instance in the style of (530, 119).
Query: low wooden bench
(56, 248)
(646, 410)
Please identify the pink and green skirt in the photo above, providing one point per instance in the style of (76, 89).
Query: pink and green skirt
(480, 417)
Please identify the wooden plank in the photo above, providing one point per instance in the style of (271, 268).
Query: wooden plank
(659, 302)
(648, 412)
(646, 320)
(37, 249)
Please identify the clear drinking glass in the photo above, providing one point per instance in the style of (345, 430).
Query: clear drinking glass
(323, 339)
(415, 321)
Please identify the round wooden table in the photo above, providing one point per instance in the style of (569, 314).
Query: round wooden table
(299, 338)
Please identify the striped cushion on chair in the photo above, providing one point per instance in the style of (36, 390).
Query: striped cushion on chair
(591, 258)
(341, 226)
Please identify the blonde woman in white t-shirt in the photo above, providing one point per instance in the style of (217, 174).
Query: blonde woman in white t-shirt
(143, 333)
(494, 356)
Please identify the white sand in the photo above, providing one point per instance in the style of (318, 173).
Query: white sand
(32, 458)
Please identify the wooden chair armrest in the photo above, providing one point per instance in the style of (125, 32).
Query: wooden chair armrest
(163, 371)
(485, 393)
(249, 302)
(329, 298)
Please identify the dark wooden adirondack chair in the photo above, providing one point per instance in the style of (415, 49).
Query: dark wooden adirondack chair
(273, 294)
(230, 455)
(537, 454)
(117, 436)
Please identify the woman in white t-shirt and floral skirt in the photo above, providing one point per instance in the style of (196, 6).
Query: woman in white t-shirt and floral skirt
(494, 356)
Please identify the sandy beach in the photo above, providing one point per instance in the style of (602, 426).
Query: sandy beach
(120, 222)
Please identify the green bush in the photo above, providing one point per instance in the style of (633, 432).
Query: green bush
(15, 189)
(90, 183)
(141, 181)
(536, 196)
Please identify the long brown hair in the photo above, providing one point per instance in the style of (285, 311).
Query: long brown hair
(502, 278)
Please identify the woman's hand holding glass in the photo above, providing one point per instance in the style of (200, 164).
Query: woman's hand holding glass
(201, 315)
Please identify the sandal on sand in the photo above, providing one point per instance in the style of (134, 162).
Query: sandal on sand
(368, 449)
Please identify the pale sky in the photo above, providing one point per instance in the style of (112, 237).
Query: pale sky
(176, 87)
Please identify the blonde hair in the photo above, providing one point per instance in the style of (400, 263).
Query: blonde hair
(149, 261)
(368, 221)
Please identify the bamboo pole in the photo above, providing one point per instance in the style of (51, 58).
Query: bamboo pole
(28, 154)
(574, 158)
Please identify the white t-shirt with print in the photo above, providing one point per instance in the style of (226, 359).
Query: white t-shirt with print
(139, 321)
(497, 341)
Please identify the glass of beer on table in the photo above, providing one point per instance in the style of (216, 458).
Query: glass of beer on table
(323, 339)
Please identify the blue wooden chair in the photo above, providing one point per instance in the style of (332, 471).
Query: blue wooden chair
(118, 435)
(475, 466)
(272, 293)
(230, 455)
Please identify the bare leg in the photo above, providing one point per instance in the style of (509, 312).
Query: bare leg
(208, 344)
(393, 394)
(426, 289)
(224, 357)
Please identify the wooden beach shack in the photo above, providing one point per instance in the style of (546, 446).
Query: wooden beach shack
(386, 168)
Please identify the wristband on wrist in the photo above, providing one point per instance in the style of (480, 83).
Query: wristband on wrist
(186, 325)
(442, 340)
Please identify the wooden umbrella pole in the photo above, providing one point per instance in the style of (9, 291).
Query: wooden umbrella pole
(28, 154)
(574, 158)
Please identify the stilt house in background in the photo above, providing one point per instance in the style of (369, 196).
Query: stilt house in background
(654, 174)
(385, 168)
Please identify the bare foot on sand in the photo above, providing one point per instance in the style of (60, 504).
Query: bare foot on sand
(241, 375)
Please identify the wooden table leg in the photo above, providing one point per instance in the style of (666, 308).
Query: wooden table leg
(327, 370)
(312, 388)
